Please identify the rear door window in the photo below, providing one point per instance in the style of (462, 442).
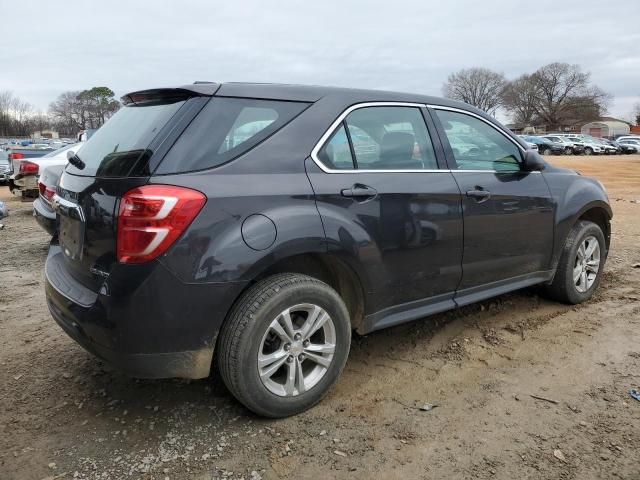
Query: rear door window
(336, 153)
(380, 138)
(225, 129)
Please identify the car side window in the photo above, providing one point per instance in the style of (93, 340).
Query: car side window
(380, 138)
(476, 145)
(390, 138)
(336, 153)
(249, 122)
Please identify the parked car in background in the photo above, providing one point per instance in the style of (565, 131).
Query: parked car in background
(530, 145)
(42, 208)
(262, 253)
(545, 146)
(570, 148)
(631, 142)
(5, 167)
(620, 148)
(628, 137)
(625, 148)
(606, 147)
(24, 180)
(591, 147)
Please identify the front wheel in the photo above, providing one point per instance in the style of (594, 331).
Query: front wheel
(580, 268)
(547, 151)
(588, 151)
(284, 344)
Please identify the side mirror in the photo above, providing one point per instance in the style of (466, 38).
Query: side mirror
(532, 161)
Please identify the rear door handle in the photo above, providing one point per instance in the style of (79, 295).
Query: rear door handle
(359, 191)
(479, 195)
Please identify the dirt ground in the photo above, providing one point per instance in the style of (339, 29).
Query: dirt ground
(65, 415)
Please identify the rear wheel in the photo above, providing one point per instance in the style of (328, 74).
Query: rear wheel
(568, 151)
(580, 267)
(284, 344)
(547, 151)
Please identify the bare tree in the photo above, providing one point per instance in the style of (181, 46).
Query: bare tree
(479, 87)
(563, 90)
(84, 109)
(67, 110)
(6, 104)
(520, 98)
(636, 113)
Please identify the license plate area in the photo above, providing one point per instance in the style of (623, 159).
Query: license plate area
(71, 228)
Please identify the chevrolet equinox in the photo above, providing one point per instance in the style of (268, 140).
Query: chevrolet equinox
(253, 227)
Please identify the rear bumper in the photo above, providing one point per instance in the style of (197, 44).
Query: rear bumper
(152, 327)
(188, 364)
(45, 217)
(28, 184)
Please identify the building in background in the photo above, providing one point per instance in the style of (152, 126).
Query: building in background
(50, 134)
(606, 127)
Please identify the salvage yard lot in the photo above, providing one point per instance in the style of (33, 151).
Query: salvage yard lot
(63, 414)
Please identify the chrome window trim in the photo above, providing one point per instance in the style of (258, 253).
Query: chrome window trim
(475, 115)
(338, 121)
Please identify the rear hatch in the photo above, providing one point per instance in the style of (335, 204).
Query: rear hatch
(118, 157)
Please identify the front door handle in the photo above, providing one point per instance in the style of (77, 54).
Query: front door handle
(359, 190)
(480, 195)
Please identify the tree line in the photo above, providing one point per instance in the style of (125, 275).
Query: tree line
(71, 112)
(555, 95)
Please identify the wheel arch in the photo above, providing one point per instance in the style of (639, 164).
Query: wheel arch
(596, 211)
(334, 270)
(600, 214)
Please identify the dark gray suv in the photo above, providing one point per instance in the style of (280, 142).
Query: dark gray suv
(253, 227)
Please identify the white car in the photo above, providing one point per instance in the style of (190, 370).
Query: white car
(591, 147)
(24, 180)
(628, 137)
(569, 146)
(632, 142)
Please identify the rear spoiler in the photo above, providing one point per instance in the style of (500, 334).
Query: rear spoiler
(198, 89)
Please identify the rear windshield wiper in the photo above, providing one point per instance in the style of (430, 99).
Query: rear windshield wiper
(75, 160)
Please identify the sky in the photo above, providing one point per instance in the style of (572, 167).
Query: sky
(49, 47)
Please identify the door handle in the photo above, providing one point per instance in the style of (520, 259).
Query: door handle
(480, 195)
(359, 191)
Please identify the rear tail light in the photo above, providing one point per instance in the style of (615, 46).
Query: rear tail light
(28, 168)
(46, 192)
(151, 218)
(16, 156)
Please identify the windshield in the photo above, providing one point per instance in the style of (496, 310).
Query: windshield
(122, 143)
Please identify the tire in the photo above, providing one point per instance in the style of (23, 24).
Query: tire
(588, 151)
(564, 288)
(547, 151)
(568, 151)
(248, 331)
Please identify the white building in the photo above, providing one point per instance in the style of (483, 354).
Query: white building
(607, 127)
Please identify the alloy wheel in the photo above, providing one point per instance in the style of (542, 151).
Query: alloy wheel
(296, 350)
(587, 264)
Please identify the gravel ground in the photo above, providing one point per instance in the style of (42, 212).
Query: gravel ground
(63, 414)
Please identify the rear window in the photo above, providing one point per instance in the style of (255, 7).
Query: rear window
(122, 144)
(225, 129)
